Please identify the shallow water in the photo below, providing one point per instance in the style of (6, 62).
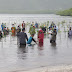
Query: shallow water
(13, 58)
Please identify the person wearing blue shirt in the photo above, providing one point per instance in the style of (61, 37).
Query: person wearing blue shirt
(36, 25)
(31, 39)
(2, 26)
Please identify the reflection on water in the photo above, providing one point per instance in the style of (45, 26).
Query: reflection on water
(22, 50)
(53, 44)
(40, 45)
(70, 37)
(45, 35)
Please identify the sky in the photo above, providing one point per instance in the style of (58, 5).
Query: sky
(34, 4)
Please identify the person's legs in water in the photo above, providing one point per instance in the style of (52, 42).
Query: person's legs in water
(40, 44)
(50, 41)
(22, 45)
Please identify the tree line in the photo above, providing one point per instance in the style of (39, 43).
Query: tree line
(65, 12)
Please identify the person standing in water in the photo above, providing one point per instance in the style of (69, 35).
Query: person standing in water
(23, 25)
(13, 30)
(18, 30)
(31, 39)
(44, 29)
(70, 32)
(2, 26)
(32, 30)
(53, 36)
(36, 25)
(23, 37)
(7, 30)
(4, 31)
(40, 36)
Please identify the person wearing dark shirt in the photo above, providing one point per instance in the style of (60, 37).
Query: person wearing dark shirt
(70, 32)
(23, 37)
(44, 29)
(4, 31)
(18, 30)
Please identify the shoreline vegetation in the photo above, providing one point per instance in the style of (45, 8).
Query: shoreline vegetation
(65, 12)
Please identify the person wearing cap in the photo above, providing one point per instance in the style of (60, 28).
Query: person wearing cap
(31, 39)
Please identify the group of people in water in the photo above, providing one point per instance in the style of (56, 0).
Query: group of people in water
(20, 32)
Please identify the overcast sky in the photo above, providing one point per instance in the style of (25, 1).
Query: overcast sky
(34, 4)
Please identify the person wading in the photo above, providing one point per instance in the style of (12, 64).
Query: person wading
(23, 37)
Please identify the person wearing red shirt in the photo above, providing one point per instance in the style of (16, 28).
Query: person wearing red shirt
(23, 25)
(40, 36)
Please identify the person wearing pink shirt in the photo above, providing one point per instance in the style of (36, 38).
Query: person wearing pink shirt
(40, 36)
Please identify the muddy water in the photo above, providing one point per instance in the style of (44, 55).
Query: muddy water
(13, 58)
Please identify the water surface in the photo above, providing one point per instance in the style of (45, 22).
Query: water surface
(13, 58)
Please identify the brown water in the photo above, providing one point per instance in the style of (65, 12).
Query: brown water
(13, 58)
